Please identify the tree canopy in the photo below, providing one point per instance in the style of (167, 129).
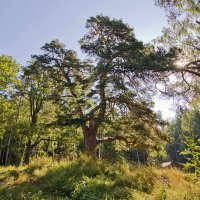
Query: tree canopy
(8, 73)
(111, 88)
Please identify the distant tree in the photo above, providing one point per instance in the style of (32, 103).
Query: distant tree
(175, 146)
(190, 125)
(8, 73)
(185, 135)
(112, 89)
(8, 81)
(192, 154)
(34, 89)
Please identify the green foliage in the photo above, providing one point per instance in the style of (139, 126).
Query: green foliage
(190, 125)
(185, 133)
(192, 154)
(45, 178)
(157, 156)
(83, 90)
(8, 73)
(8, 82)
(162, 194)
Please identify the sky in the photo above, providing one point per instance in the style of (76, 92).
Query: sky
(26, 25)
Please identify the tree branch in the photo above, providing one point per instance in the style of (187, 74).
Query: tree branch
(117, 137)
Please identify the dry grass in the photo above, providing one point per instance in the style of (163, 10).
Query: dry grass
(45, 178)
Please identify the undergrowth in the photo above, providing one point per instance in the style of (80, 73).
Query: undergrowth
(86, 179)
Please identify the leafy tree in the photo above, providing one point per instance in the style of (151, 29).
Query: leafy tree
(8, 81)
(190, 126)
(176, 145)
(35, 90)
(8, 150)
(185, 133)
(110, 89)
(192, 154)
(8, 73)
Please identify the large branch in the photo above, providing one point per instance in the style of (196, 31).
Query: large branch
(187, 68)
(38, 140)
(67, 122)
(102, 99)
(96, 122)
(66, 75)
(117, 137)
(73, 93)
(95, 109)
(192, 72)
(196, 64)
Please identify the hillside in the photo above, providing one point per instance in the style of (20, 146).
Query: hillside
(44, 178)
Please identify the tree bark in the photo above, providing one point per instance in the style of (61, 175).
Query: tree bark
(90, 140)
(8, 148)
(28, 152)
(90, 146)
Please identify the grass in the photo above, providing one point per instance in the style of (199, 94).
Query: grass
(86, 179)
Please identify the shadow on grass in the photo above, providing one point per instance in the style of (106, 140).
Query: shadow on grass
(72, 181)
(81, 180)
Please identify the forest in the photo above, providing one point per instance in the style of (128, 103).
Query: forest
(74, 128)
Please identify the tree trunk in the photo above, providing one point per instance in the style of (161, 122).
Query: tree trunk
(28, 153)
(99, 153)
(8, 149)
(90, 145)
(23, 155)
(3, 151)
(0, 148)
(90, 139)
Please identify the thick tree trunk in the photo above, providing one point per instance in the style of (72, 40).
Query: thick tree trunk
(90, 146)
(91, 142)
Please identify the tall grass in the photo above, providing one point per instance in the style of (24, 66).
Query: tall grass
(86, 179)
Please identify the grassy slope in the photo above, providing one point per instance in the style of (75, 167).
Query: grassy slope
(89, 180)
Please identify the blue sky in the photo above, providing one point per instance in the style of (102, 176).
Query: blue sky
(27, 24)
